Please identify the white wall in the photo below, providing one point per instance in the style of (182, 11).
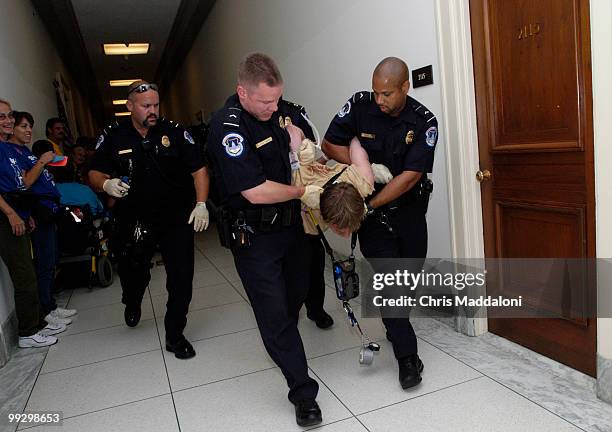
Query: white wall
(601, 47)
(29, 63)
(326, 51)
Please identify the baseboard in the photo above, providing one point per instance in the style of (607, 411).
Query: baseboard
(8, 338)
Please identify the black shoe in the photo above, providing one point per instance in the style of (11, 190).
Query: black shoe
(182, 349)
(410, 369)
(308, 413)
(321, 319)
(132, 315)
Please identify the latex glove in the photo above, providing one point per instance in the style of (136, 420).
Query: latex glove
(199, 217)
(312, 196)
(381, 173)
(115, 187)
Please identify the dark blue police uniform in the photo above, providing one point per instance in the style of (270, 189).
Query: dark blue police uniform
(403, 143)
(272, 261)
(155, 211)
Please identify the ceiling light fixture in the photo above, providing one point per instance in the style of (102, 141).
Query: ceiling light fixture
(126, 49)
(122, 83)
(119, 101)
(123, 114)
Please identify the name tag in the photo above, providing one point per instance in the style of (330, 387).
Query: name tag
(264, 142)
(367, 135)
(125, 151)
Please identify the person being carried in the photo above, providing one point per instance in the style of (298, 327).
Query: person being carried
(341, 205)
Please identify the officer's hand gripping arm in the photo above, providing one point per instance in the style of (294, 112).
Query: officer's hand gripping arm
(396, 187)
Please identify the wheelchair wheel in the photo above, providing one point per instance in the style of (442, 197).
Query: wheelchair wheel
(104, 269)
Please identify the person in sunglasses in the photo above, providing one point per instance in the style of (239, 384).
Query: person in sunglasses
(154, 170)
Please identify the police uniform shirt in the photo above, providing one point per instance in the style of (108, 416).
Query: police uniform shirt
(403, 143)
(157, 167)
(246, 151)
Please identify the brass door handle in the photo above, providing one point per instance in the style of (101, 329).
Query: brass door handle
(483, 175)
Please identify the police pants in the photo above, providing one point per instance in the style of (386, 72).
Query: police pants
(408, 240)
(176, 242)
(274, 274)
(316, 289)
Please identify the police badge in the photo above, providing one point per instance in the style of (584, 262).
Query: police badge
(165, 141)
(410, 137)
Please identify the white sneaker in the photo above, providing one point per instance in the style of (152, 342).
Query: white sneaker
(63, 313)
(52, 329)
(36, 341)
(54, 319)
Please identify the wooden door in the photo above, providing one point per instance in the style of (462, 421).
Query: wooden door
(534, 107)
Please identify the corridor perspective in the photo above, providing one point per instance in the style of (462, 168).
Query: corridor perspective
(287, 215)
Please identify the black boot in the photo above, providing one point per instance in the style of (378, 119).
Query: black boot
(322, 319)
(182, 349)
(132, 315)
(307, 413)
(410, 369)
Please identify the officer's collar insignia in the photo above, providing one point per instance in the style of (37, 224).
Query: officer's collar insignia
(233, 144)
(100, 141)
(165, 141)
(281, 122)
(410, 137)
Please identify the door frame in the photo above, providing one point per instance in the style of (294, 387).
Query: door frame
(460, 129)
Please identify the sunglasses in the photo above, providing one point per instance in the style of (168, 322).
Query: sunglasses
(143, 88)
(9, 115)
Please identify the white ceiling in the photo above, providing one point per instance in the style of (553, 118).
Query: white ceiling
(123, 21)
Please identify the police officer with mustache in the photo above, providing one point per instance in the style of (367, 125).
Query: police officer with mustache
(156, 173)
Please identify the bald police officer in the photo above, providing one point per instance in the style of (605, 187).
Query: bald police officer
(399, 135)
(154, 170)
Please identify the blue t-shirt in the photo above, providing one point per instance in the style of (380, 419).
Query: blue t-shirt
(14, 161)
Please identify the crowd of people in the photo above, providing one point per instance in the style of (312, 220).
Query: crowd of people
(274, 187)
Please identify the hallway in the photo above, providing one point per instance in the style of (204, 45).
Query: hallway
(104, 376)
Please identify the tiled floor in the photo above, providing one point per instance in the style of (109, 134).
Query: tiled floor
(104, 376)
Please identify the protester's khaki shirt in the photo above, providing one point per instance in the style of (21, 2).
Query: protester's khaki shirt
(311, 172)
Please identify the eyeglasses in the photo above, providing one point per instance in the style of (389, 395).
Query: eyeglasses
(143, 88)
(9, 115)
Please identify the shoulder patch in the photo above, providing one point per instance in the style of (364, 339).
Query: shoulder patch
(362, 96)
(233, 144)
(431, 136)
(100, 141)
(345, 109)
(188, 137)
(232, 117)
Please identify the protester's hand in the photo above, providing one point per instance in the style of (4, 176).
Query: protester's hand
(17, 224)
(116, 188)
(381, 173)
(46, 157)
(199, 216)
(312, 196)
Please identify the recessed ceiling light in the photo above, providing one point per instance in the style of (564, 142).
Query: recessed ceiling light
(122, 83)
(122, 114)
(120, 102)
(126, 49)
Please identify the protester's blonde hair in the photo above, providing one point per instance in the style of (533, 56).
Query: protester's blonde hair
(342, 205)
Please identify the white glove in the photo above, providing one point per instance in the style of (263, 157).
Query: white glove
(199, 217)
(116, 188)
(312, 196)
(381, 174)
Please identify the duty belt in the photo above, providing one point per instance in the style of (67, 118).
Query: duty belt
(269, 218)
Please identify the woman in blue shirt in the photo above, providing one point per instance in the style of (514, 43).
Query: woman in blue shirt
(44, 238)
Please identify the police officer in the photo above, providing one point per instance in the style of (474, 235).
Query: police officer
(399, 135)
(316, 289)
(261, 221)
(154, 170)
